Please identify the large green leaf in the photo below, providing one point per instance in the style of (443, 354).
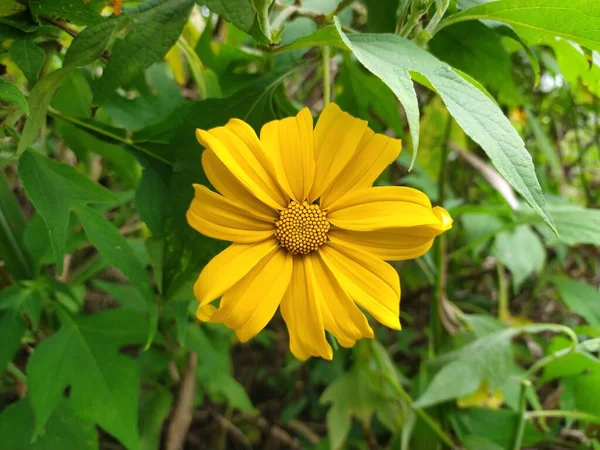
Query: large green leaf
(88, 45)
(84, 354)
(39, 99)
(155, 406)
(78, 12)
(580, 297)
(487, 359)
(64, 430)
(241, 13)
(392, 58)
(575, 224)
(29, 57)
(12, 226)
(55, 189)
(521, 251)
(395, 59)
(575, 20)
(11, 93)
(16, 303)
(157, 24)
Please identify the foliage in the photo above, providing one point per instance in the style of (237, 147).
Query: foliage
(99, 102)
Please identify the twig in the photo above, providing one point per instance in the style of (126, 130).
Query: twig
(304, 430)
(230, 428)
(181, 417)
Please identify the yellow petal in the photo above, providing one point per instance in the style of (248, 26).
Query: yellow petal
(337, 136)
(213, 215)
(375, 152)
(387, 245)
(289, 144)
(302, 314)
(341, 316)
(231, 188)
(251, 303)
(204, 313)
(244, 162)
(370, 282)
(229, 267)
(379, 208)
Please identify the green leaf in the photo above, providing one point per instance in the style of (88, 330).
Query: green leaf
(366, 96)
(499, 427)
(21, 21)
(151, 201)
(39, 99)
(381, 15)
(122, 162)
(12, 227)
(55, 189)
(84, 354)
(156, 27)
(584, 389)
(64, 430)
(29, 57)
(22, 300)
(10, 7)
(487, 359)
(214, 357)
(155, 406)
(74, 97)
(365, 399)
(578, 18)
(79, 12)
(240, 13)
(392, 58)
(576, 225)
(580, 297)
(464, 43)
(89, 44)
(158, 96)
(13, 329)
(12, 94)
(521, 251)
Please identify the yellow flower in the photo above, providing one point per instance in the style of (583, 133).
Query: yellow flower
(310, 234)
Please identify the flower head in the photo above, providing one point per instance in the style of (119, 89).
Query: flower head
(310, 234)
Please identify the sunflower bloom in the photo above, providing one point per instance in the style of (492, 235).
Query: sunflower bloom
(310, 235)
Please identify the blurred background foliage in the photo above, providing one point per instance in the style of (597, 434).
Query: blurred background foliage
(99, 348)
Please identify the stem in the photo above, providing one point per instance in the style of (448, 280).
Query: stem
(559, 354)
(562, 413)
(326, 75)
(108, 134)
(16, 372)
(580, 153)
(406, 398)
(522, 415)
(437, 305)
(503, 310)
(340, 7)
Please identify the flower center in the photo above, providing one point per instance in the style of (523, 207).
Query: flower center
(302, 228)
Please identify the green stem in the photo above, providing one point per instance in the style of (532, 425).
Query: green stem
(541, 363)
(407, 399)
(503, 310)
(16, 372)
(577, 415)
(522, 415)
(90, 127)
(326, 75)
